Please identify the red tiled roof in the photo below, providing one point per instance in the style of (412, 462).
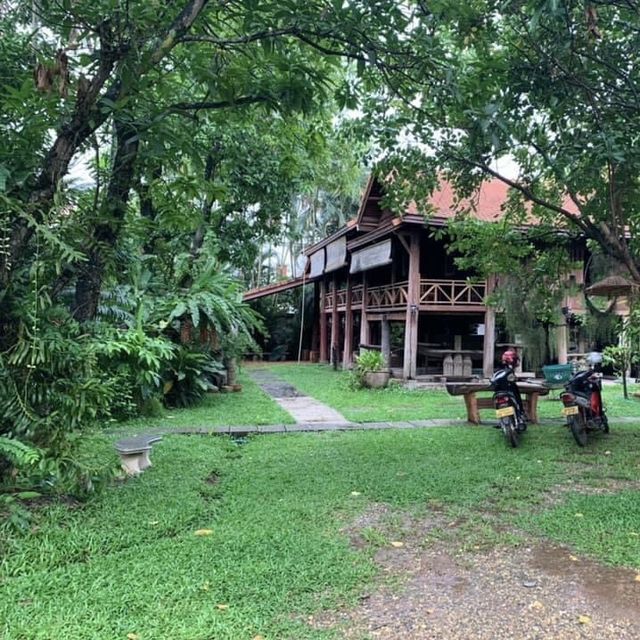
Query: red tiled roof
(485, 204)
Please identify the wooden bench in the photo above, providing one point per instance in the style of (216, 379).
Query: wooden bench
(134, 453)
(529, 391)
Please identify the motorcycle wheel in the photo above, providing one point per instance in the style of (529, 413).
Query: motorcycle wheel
(578, 428)
(510, 430)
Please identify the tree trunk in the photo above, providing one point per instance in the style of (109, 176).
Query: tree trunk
(112, 212)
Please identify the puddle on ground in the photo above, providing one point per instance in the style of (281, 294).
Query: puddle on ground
(280, 390)
(614, 588)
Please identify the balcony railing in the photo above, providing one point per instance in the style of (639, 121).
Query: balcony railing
(452, 294)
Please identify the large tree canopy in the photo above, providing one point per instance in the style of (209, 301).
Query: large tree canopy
(199, 123)
(147, 80)
(553, 86)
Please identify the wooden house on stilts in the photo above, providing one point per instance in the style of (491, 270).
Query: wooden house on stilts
(386, 281)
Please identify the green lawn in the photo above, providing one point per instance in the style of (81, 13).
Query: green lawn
(396, 403)
(251, 406)
(369, 405)
(129, 562)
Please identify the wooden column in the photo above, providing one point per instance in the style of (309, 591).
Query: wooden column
(315, 329)
(489, 342)
(413, 309)
(335, 324)
(385, 342)
(561, 344)
(347, 354)
(324, 352)
(364, 322)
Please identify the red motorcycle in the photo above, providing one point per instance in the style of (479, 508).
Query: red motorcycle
(582, 400)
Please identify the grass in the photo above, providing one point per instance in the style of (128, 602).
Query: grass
(251, 406)
(369, 405)
(129, 562)
(279, 510)
(397, 403)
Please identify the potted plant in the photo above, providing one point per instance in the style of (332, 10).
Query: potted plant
(371, 369)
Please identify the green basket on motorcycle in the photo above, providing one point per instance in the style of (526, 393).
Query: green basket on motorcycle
(557, 373)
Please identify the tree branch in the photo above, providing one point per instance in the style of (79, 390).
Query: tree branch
(230, 42)
(181, 107)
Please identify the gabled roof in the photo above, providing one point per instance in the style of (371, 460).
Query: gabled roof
(343, 230)
(486, 205)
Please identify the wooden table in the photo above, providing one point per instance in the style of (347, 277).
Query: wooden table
(530, 392)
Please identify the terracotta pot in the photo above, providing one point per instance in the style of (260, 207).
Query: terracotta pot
(376, 379)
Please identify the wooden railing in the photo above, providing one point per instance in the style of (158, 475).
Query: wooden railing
(442, 293)
(390, 296)
(341, 296)
(356, 296)
(452, 293)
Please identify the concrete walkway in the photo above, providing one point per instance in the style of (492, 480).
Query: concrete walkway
(303, 409)
(311, 415)
(306, 427)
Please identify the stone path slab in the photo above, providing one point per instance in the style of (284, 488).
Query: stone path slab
(306, 409)
(303, 409)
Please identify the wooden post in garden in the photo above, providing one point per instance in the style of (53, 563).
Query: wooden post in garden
(324, 354)
(385, 342)
(413, 309)
(347, 354)
(335, 323)
(364, 321)
(489, 343)
(561, 344)
(315, 328)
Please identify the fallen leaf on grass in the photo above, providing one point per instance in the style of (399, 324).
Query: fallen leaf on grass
(579, 515)
(584, 619)
(153, 523)
(397, 544)
(222, 607)
(353, 493)
(637, 578)
(258, 637)
(132, 636)
(203, 532)
(573, 558)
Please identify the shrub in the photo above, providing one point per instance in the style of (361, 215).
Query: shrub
(138, 360)
(188, 377)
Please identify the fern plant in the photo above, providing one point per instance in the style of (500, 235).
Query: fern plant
(189, 377)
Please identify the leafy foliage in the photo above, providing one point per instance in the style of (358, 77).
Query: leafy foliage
(189, 376)
(537, 94)
(533, 277)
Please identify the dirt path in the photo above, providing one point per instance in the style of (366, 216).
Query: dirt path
(531, 592)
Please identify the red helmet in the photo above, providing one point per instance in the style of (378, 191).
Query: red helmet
(510, 358)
